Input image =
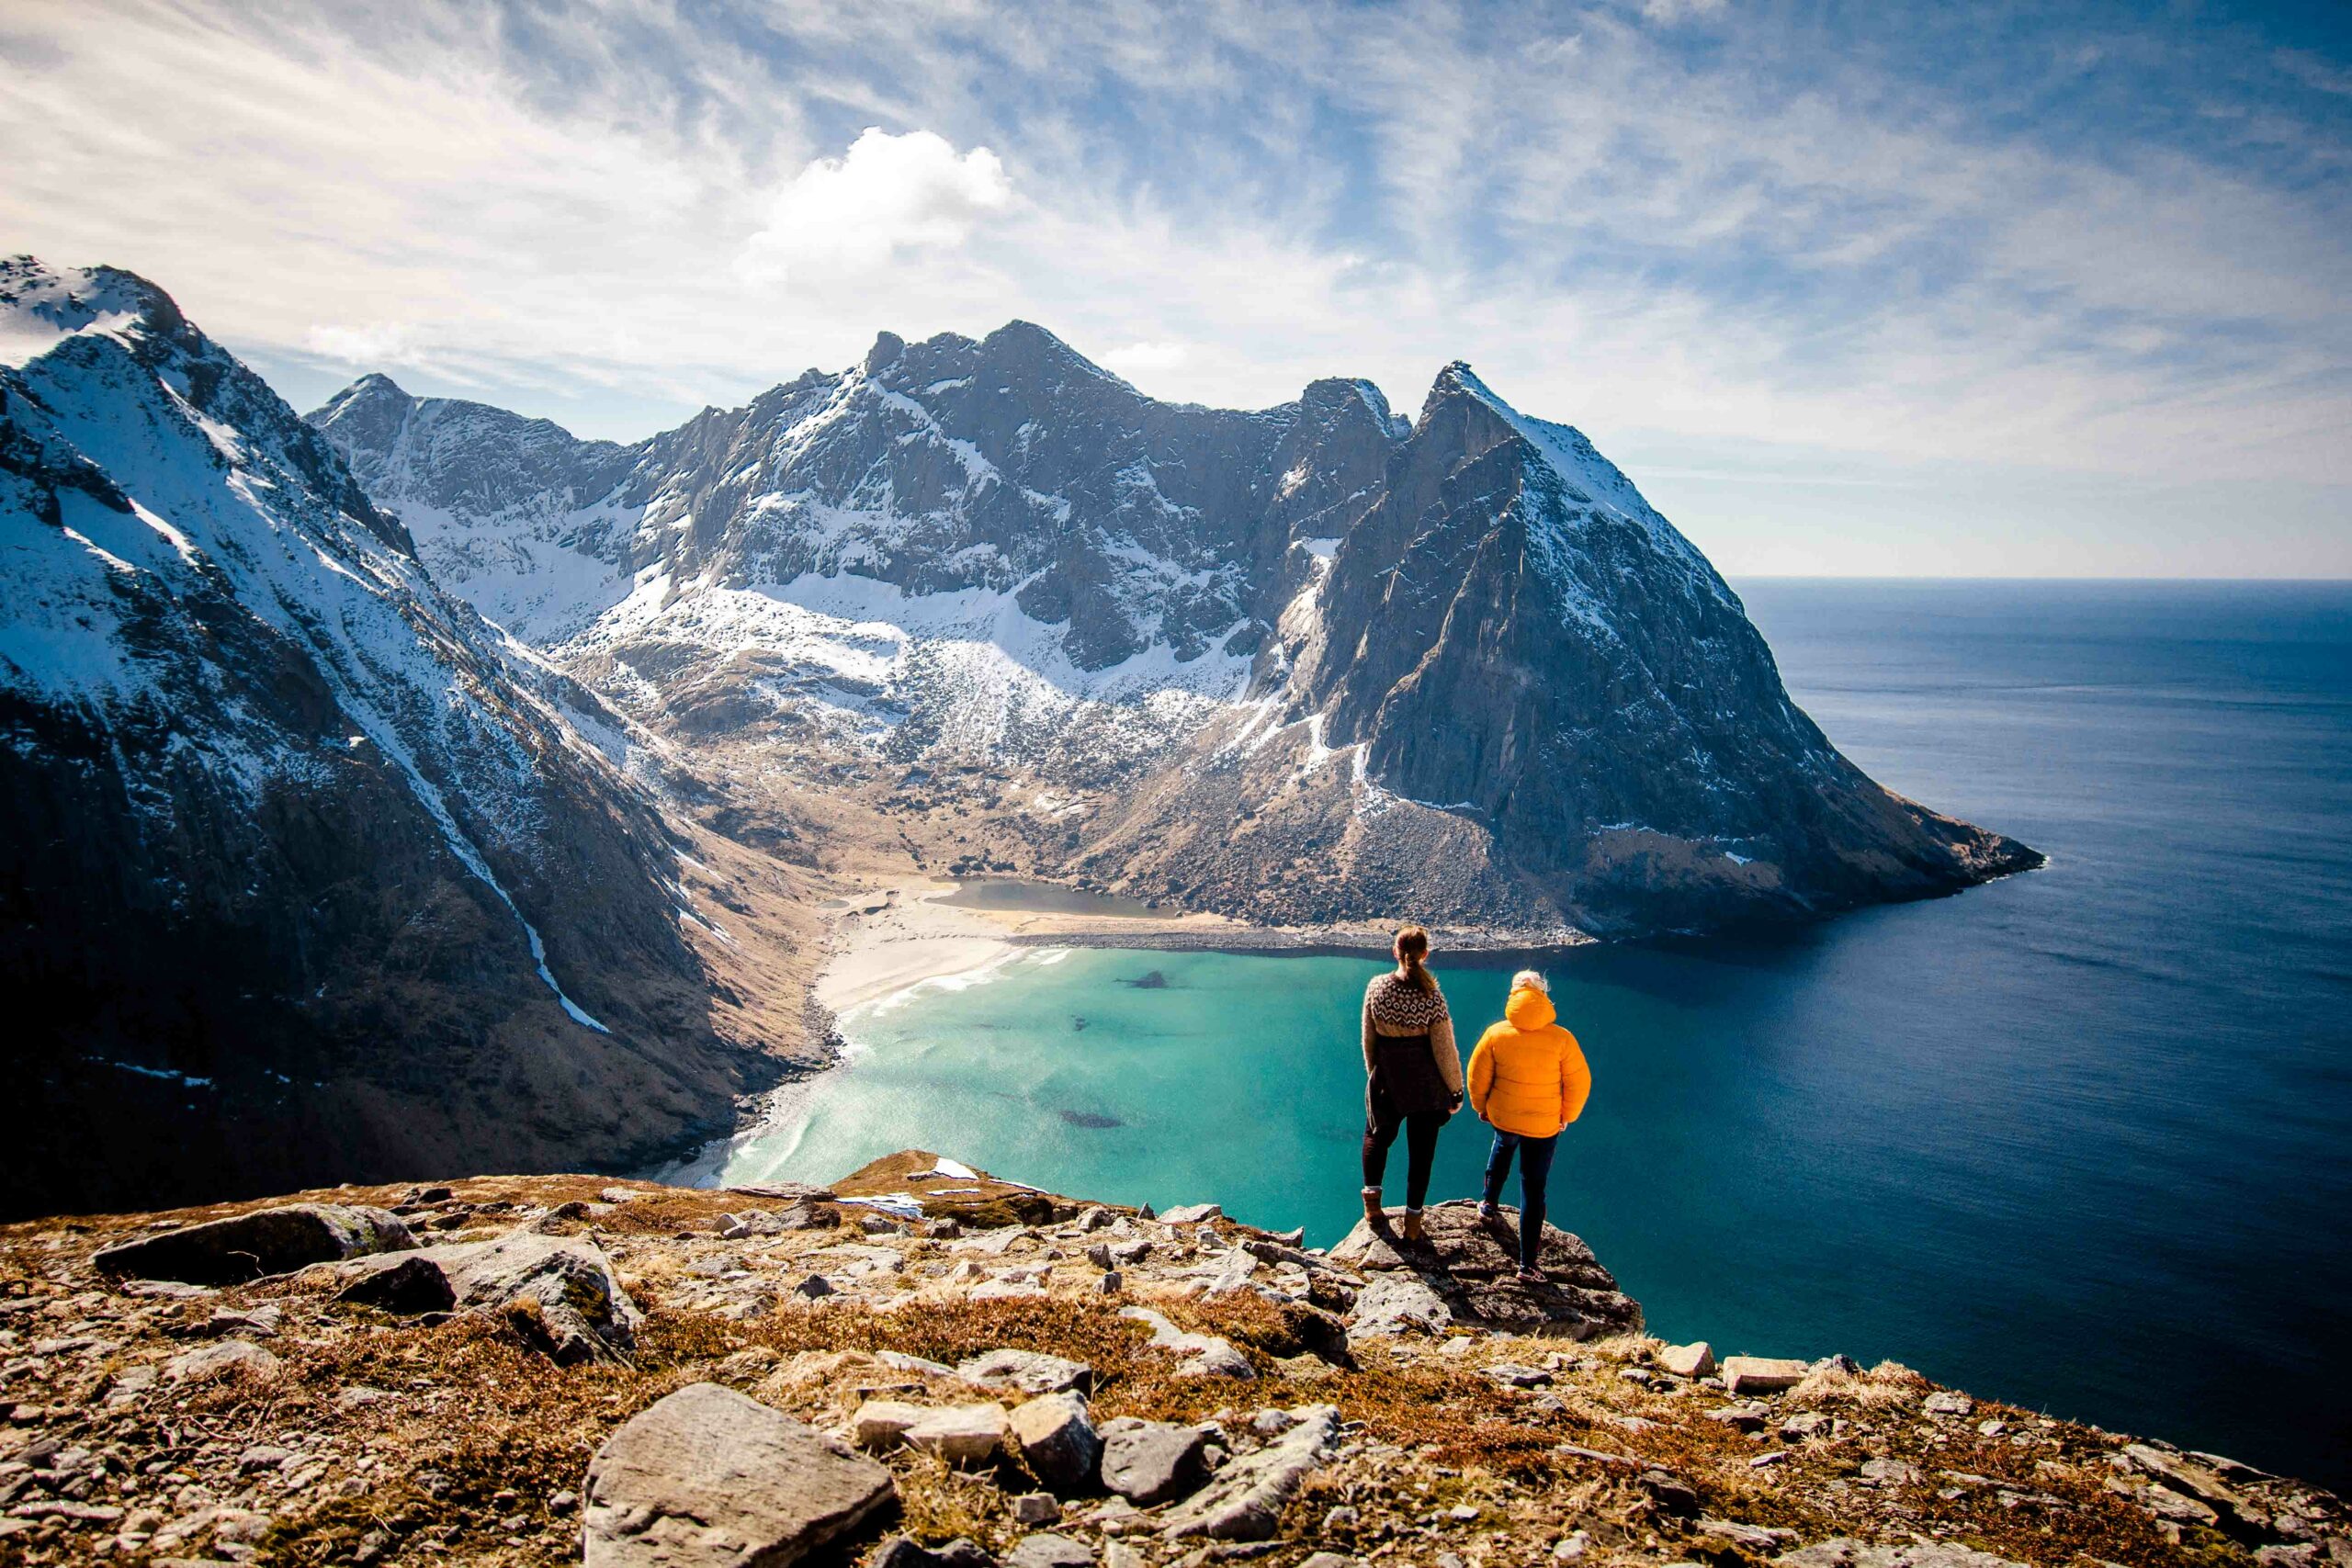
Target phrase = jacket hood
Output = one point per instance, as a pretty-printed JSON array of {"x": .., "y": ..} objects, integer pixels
[{"x": 1529, "y": 1009}]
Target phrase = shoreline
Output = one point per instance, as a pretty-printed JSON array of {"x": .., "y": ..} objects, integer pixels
[{"x": 899, "y": 936}]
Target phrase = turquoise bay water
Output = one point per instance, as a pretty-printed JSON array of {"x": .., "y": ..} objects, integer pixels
[{"x": 2077, "y": 1139}]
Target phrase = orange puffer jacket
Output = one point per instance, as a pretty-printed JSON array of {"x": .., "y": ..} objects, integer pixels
[{"x": 1528, "y": 1076}]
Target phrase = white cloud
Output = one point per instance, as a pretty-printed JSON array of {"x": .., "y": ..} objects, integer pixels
[
  {"x": 588, "y": 220},
  {"x": 1138, "y": 357},
  {"x": 375, "y": 344},
  {"x": 1672, "y": 11},
  {"x": 887, "y": 194}
]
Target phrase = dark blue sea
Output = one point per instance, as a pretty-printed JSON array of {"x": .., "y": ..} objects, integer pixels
[{"x": 2080, "y": 1140}]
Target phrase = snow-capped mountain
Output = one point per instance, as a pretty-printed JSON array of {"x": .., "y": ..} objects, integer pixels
[
  {"x": 989, "y": 542},
  {"x": 1305, "y": 663},
  {"x": 312, "y": 872}
]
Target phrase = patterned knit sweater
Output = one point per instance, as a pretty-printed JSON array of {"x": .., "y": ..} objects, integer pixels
[{"x": 1394, "y": 1006}]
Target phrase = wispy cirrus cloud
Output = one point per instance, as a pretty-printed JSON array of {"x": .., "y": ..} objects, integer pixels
[{"x": 2105, "y": 247}]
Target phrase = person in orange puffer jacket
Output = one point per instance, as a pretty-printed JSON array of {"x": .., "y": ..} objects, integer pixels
[{"x": 1528, "y": 1079}]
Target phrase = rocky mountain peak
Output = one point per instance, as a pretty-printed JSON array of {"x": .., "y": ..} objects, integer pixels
[
  {"x": 307, "y": 838},
  {"x": 41, "y": 305},
  {"x": 1084, "y": 584},
  {"x": 369, "y": 413}
]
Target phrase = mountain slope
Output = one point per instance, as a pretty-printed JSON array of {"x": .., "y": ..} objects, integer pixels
[
  {"x": 1305, "y": 664},
  {"x": 977, "y": 542},
  {"x": 314, "y": 874}
]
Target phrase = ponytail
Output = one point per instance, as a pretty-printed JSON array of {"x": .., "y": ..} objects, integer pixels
[{"x": 1412, "y": 947}]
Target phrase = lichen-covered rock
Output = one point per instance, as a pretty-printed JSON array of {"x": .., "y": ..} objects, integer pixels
[
  {"x": 228, "y": 1357},
  {"x": 407, "y": 1284},
  {"x": 1204, "y": 1355},
  {"x": 1244, "y": 1501},
  {"x": 960, "y": 1434},
  {"x": 1841, "y": 1553},
  {"x": 883, "y": 1423},
  {"x": 1059, "y": 1440},
  {"x": 900, "y": 1553},
  {"x": 1762, "y": 1374},
  {"x": 706, "y": 1476},
  {"x": 1395, "y": 1301},
  {"x": 1693, "y": 1361},
  {"x": 1047, "y": 1550},
  {"x": 560, "y": 1293},
  {"x": 1030, "y": 1371},
  {"x": 1151, "y": 1462},
  {"x": 254, "y": 1246}
]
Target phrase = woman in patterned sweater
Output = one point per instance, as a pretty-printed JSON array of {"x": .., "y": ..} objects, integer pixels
[{"x": 1413, "y": 1076}]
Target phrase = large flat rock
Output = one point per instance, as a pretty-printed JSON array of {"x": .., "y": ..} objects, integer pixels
[
  {"x": 254, "y": 1246},
  {"x": 707, "y": 1478},
  {"x": 1469, "y": 1268},
  {"x": 1842, "y": 1552},
  {"x": 1151, "y": 1462}
]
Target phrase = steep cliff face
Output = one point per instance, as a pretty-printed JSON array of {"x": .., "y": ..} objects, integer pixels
[
  {"x": 502, "y": 508},
  {"x": 1536, "y": 649},
  {"x": 1305, "y": 663},
  {"x": 311, "y": 872}
]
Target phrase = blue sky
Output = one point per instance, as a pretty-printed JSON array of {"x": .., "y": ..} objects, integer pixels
[{"x": 1884, "y": 290}]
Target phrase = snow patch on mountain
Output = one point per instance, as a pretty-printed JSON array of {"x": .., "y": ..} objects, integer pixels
[
  {"x": 189, "y": 554},
  {"x": 1589, "y": 477},
  {"x": 982, "y": 673},
  {"x": 40, "y": 308}
]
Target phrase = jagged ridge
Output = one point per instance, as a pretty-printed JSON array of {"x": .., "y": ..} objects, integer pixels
[{"x": 1545, "y": 710}]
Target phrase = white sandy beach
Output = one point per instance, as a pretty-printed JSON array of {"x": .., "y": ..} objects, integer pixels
[{"x": 899, "y": 935}]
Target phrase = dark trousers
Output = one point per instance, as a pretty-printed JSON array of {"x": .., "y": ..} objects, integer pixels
[
  {"x": 1382, "y": 1120},
  {"x": 1534, "y": 1170}
]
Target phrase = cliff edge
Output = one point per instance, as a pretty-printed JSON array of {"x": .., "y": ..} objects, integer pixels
[{"x": 926, "y": 1366}]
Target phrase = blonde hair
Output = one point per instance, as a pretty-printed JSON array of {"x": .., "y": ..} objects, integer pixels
[
  {"x": 1411, "y": 946},
  {"x": 1531, "y": 980}
]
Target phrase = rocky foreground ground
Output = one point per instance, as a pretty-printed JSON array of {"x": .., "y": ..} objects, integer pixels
[{"x": 927, "y": 1368}]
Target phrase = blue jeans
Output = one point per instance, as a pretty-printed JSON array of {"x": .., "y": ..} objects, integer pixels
[{"x": 1534, "y": 1170}]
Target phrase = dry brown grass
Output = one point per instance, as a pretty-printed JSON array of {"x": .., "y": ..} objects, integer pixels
[{"x": 472, "y": 1413}]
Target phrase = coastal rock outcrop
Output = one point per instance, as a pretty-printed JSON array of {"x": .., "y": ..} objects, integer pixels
[
  {"x": 1152, "y": 1462},
  {"x": 390, "y": 1442},
  {"x": 560, "y": 1292},
  {"x": 1058, "y": 1442},
  {"x": 1245, "y": 1500},
  {"x": 1466, "y": 1273}
]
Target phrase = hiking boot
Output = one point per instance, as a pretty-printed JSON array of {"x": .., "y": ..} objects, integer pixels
[
  {"x": 1413, "y": 1230},
  {"x": 1372, "y": 1212}
]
